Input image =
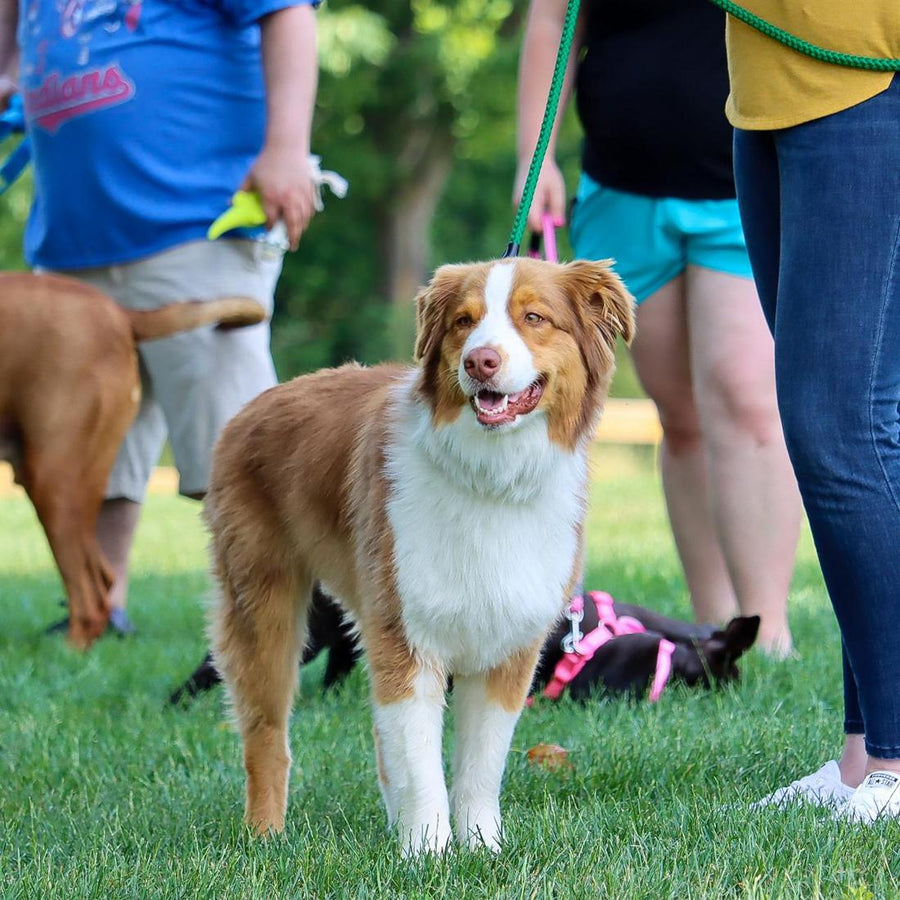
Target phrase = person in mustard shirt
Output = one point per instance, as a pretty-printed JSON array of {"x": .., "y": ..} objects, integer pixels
[
  {"x": 657, "y": 194},
  {"x": 817, "y": 165}
]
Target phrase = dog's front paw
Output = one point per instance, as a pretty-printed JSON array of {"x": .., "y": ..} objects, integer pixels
[
  {"x": 479, "y": 828},
  {"x": 264, "y": 825},
  {"x": 264, "y": 815},
  {"x": 421, "y": 838}
]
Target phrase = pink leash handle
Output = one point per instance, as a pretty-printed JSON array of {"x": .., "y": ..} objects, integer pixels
[
  {"x": 550, "y": 252},
  {"x": 548, "y": 235}
]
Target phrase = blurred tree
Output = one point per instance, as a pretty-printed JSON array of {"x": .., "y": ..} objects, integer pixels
[
  {"x": 403, "y": 86},
  {"x": 416, "y": 108},
  {"x": 14, "y": 205}
]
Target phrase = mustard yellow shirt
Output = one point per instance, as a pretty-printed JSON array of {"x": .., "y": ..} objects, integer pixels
[{"x": 773, "y": 86}]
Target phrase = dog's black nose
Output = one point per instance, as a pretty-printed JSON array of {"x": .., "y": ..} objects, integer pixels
[{"x": 482, "y": 363}]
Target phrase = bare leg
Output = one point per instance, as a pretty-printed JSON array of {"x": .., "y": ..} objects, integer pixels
[
  {"x": 873, "y": 764},
  {"x": 755, "y": 501},
  {"x": 661, "y": 357},
  {"x": 854, "y": 763},
  {"x": 116, "y": 526}
]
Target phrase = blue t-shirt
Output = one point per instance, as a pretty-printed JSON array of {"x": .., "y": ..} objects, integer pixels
[{"x": 144, "y": 117}]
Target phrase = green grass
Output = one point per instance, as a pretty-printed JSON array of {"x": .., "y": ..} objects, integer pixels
[{"x": 105, "y": 793}]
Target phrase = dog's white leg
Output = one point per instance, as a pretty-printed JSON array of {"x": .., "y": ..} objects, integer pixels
[
  {"x": 410, "y": 768},
  {"x": 487, "y": 707},
  {"x": 484, "y": 731},
  {"x": 384, "y": 784}
]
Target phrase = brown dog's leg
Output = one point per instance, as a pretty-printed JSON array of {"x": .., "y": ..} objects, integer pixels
[
  {"x": 70, "y": 529},
  {"x": 487, "y": 707},
  {"x": 69, "y": 446},
  {"x": 88, "y": 579},
  {"x": 257, "y": 639}
]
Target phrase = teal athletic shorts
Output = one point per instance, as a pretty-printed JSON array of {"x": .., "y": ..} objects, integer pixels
[{"x": 654, "y": 239}]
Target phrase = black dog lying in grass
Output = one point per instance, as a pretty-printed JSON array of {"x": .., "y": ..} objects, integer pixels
[
  {"x": 327, "y": 631},
  {"x": 702, "y": 655}
]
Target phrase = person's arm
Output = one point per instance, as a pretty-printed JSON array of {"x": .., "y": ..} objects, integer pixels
[
  {"x": 280, "y": 174},
  {"x": 540, "y": 46},
  {"x": 9, "y": 50}
]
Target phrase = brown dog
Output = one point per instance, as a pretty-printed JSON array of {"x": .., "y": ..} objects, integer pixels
[
  {"x": 69, "y": 390},
  {"x": 443, "y": 506}
]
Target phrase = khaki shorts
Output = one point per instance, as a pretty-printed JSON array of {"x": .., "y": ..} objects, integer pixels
[{"x": 193, "y": 382}]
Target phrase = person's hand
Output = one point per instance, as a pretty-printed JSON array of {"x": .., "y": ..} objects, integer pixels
[
  {"x": 7, "y": 88},
  {"x": 549, "y": 194},
  {"x": 282, "y": 178}
]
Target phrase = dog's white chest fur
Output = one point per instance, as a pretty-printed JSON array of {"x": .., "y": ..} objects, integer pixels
[{"x": 485, "y": 529}]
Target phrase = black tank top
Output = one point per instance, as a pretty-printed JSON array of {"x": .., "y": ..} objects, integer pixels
[{"x": 650, "y": 93}]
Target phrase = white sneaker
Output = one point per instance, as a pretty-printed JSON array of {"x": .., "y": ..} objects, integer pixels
[
  {"x": 878, "y": 797},
  {"x": 822, "y": 788}
]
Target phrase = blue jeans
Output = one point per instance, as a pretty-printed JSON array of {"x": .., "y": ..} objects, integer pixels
[{"x": 820, "y": 204}]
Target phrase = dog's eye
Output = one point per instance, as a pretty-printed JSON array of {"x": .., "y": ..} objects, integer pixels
[
  {"x": 463, "y": 321},
  {"x": 533, "y": 318}
]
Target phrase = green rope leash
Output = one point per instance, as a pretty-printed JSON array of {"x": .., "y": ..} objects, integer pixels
[
  {"x": 537, "y": 160},
  {"x": 790, "y": 40},
  {"x": 834, "y": 57}
]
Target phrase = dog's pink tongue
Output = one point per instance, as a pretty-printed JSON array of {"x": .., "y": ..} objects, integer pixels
[{"x": 490, "y": 400}]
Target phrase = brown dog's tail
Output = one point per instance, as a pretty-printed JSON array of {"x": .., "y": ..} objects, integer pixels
[{"x": 227, "y": 312}]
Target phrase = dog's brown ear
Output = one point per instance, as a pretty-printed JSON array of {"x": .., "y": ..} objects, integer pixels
[
  {"x": 427, "y": 323},
  {"x": 431, "y": 305},
  {"x": 611, "y": 305}
]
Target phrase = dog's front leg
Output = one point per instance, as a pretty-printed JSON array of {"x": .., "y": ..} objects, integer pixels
[
  {"x": 408, "y": 731},
  {"x": 487, "y": 707}
]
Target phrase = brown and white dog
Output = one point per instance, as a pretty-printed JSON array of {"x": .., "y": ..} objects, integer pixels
[{"x": 443, "y": 506}]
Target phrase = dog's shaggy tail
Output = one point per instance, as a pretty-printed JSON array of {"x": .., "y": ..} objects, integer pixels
[{"x": 226, "y": 312}]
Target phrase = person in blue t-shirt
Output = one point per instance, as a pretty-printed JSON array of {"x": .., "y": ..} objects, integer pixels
[{"x": 144, "y": 118}]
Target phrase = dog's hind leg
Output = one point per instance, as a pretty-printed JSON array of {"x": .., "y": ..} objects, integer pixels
[
  {"x": 486, "y": 708},
  {"x": 70, "y": 525},
  {"x": 67, "y": 453},
  {"x": 258, "y": 635}
]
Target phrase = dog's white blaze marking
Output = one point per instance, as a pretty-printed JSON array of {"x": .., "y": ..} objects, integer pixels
[
  {"x": 498, "y": 286},
  {"x": 485, "y": 533},
  {"x": 497, "y": 330},
  {"x": 409, "y": 738},
  {"x": 484, "y": 732}
]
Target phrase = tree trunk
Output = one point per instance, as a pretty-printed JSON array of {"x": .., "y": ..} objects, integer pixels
[{"x": 406, "y": 237}]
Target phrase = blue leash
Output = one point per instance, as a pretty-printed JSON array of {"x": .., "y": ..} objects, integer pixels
[{"x": 12, "y": 121}]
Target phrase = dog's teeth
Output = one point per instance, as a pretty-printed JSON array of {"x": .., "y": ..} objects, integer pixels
[{"x": 497, "y": 410}]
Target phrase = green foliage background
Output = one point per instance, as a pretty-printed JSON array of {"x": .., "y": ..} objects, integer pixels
[{"x": 403, "y": 85}]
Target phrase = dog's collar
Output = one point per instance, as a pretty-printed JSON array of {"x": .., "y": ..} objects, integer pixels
[{"x": 609, "y": 626}]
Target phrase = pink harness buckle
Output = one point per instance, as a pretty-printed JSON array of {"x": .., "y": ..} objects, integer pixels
[{"x": 609, "y": 626}]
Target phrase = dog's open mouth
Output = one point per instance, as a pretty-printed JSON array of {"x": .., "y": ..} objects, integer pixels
[{"x": 492, "y": 408}]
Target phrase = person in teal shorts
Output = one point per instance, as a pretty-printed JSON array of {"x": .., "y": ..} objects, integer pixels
[{"x": 657, "y": 195}]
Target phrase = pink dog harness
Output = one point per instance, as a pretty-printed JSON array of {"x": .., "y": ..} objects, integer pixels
[{"x": 580, "y": 649}]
